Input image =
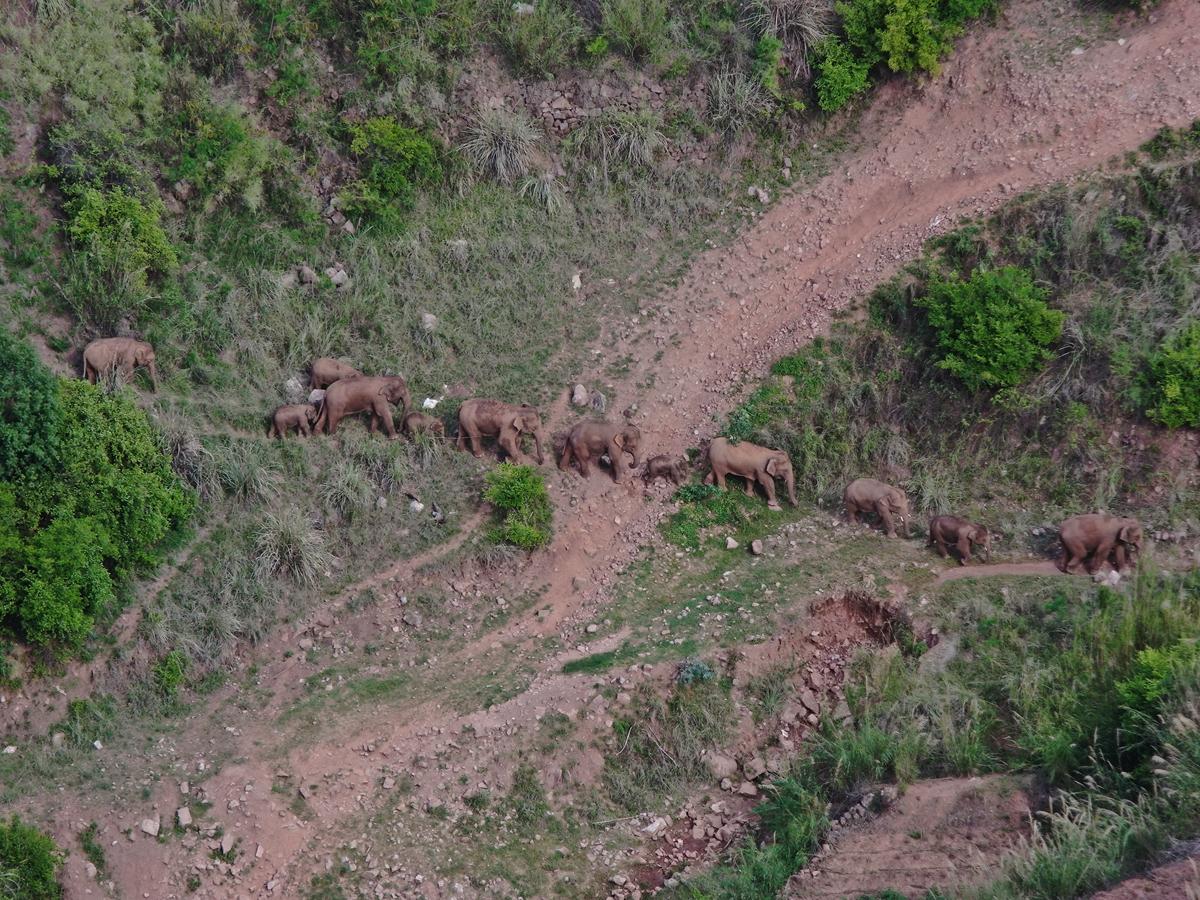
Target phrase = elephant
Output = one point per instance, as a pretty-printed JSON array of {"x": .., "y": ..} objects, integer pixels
[
  {"x": 960, "y": 533},
  {"x": 506, "y": 422},
  {"x": 418, "y": 423},
  {"x": 325, "y": 371},
  {"x": 670, "y": 467},
  {"x": 591, "y": 440},
  {"x": 752, "y": 463},
  {"x": 121, "y": 354},
  {"x": 865, "y": 495},
  {"x": 1099, "y": 535},
  {"x": 299, "y": 416},
  {"x": 371, "y": 394}
]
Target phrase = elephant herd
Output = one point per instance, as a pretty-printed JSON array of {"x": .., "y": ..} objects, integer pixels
[{"x": 1087, "y": 540}]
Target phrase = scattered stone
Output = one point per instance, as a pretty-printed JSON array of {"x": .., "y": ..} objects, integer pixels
[
  {"x": 657, "y": 827},
  {"x": 576, "y": 282},
  {"x": 227, "y": 842},
  {"x": 416, "y": 506},
  {"x": 579, "y": 583},
  {"x": 413, "y": 618},
  {"x": 90, "y": 868},
  {"x": 592, "y": 628},
  {"x": 429, "y": 321},
  {"x": 730, "y": 544},
  {"x": 522, "y": 9},
  {"x": 754, "y": 768},
  {"x": 747, "y": 789},
  {"x": 756, "y": 547},
  {"x": 182, "y": 191},
  {"x": 57, "y": 740},
  {"x": 579, "y": 395},
  {"x": 307, "y": 275},
  {"x": 619, "y": 880},
  {"x": 598, "y": 402},
  {"x": 150, "y": 826},
  {"x": 183, "y": 816},
  {"x": 841, "y": 712},
  {"x": 720, "y": 765}
]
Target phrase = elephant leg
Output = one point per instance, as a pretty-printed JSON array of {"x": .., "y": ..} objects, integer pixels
[
  {"x": 1073, "y": 556},
  {"x": 964, "y": 550},
  {"x": 476, "y": 442},
  {"x": 582, "y": 458},
  {"x": 852, "y": 513},
  {"x": 1100, "y": 556},
  {"x": 1120, "y": 557},
  {"x": 719, "y": 475},
  {"x": 885, "y": 518},
  {"x": 90, "y": 372},
  {"x": 748, "y": 485},
  {"x": 384, "y": 414},
  {"x": 710, "y": 477},
  {"x": 564, "y": 460},
  {"x": 940, "y": 544},
  {"x": 768, "y": 486}
]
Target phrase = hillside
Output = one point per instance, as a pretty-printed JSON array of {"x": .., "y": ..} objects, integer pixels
[{"x": 334, "y": 655}]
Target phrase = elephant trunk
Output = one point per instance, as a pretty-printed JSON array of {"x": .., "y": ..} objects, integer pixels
[
  {"x": 537, "y": 446},
  {"x": 153, "y": 375},
  {"x": 789, "y": 480}
]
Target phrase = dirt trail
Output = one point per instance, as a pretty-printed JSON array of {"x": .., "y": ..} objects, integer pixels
[
  {"x": 998, "y": 120},
  {"x": 991, "y": 570}
]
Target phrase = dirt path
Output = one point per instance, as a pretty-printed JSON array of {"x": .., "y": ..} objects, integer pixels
[
  {"x": 999, "y": 120},
  {"x": 1042, "y": 567}
]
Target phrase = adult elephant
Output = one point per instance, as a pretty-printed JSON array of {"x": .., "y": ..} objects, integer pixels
[
  {"x": 591, "y": 440},
  {"x": 374, "y": 395},
  {"x": 325, "y": 371},
  {"x": 960, "y": 533},
  {"x": 754, "y": 464},
  {"x": 119, "y": 354},
  {"x": 506, "y": 422},
  {"x": 866, "y": 495},
  {"x": 1099, "y": 536}
]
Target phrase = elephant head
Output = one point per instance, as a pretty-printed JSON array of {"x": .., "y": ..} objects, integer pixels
[
  {"x": 396, "y": 391},
  {"x": 527, "y": 421},
  {"x": 629, "y": 439},
  {"x": 780, "y": 466},
  {"x": 1130, "y": 534},
  {"x": 899, "y": 502},
  {"x": 312, "y": 413},
  {"x": 143, "y": 355},
  {"x": 981, "y": 537}
]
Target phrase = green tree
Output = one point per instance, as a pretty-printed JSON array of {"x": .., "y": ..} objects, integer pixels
[
  {"x": 1174, "y": 378},
  {"x": 840, "y": 75},
  {"x": 993, "y": 328},
  {"x": 29, "y": 411}
]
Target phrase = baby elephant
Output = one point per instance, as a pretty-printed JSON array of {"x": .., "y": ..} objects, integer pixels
[
  {"x": 866, "y": 495},
  {"x": 299, "y": 416},
  {"x": 673, "y": 468},
  {"x": 960, "y": 533},
  {"x": 418, "y": 423},
  {"x": 1098, "y": 537}
]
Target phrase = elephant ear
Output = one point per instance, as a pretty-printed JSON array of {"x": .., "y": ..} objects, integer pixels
[
  {"x": 517, "y": 424},
  {"x": 773, "y": 467},
  {"x": 1124, "y": 533},
  {"x": 619, "y": 439}
]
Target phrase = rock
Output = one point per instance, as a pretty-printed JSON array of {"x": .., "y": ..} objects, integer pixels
[
  {"x": 348, "y": 227},
  {"x": 576, "y": 282},
  {"x": 579, "y": 395},
  {"x": 522, "y": 9},
  {"x": 747, "y": 789},
  {"x": 592, "y": 628},
  {"x": 182, "y": 191},
  {"x": 305, "y": 644},
  {"x": 57, "y": 740},
  {"x": 598, "y": 402},
  {"x": 726, "y": 784},
  {"x": 656, "y": 828},
  {"x": 841, "y": 712},
  {"x": 429, "y": 321},
  {"x": 183, "y": 816},
  {"x": 416, "y": 506},
  {"x": 730, "y": 544},
  {"x": 150, "y": 826},
  {"x": 293, "y": 390},
  {"x": 307, "y": 275},
  {"x": 810, "y": 702},
  {"x": 381, "y": 502},
  {"x": 756, "y": 547},
  {"x": 316, "y": 395},
  {"x": 754, "y": 768},
  {"x": 719, "y": 765},
  {"x": 579, "y": 583},
  {"x": 338, "y": 276},
  {"x": 90, "y": 868},
  {"x": 618, "y": 880},
  {"x": 96, "y": 744},
  {"x": 412, "y": 618},
  {"x": 227, "y": 843}
]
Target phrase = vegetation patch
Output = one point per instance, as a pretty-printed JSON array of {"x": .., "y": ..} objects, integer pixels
[
  {"x": 29, "y": 862},
  {"x": 519, "y": 494}
]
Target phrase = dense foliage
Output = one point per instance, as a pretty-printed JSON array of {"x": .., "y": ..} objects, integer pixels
[
  {"x": 992, "y": 328},
  {"x": 1174, "y": 396},
  {"x": 71, "y": 531},
  {"x": 29, "y": 863},
  {"x": 29, "y": 411},
  {"x": 519, "y": 492}
]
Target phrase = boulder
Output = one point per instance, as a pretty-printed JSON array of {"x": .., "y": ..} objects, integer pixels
[
  {"x": 183, "y": 816},
  {"x": 307, "y": 274},
  {"x": 719, "y": 765},
  {"x": 747, "y": 789},
  {"x": 579, "y": 395},
  {"x": 756, "y": 547},
  {"x": 150, "y": 826},
  {"x": 429, "y": 322},
  {"x": 730, "y": 544},
  {"x": 754, "y": 768}
]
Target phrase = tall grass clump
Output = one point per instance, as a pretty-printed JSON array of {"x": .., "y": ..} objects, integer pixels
[
  {"x": 246, "y": 472},
  {"x": 288, "y": 544},
  {"x": 737, "y": 102},
  {"x": 619, "y": 140},
  {"x": 500, "y": 144},
  {"x": 29, "y": 863},
  {"x": 638, "y": 29},
  {"x": 519, "y": 495},
  {"x": 347, "y": 489},
  {"x": 543, "y": 41}
]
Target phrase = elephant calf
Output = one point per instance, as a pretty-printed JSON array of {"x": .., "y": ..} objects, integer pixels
[
  {"x": 866, "y": 495},
  {"x": 960, "y": 533},
  {"x": 1099, "y": 536},
  {"x": 118, "y": 354},
  {"x": 418, "y": 423},
  {"x": 325, "y": 371},
  {"x": 670, "y": 467},
  {"x": 298, "y": 416},
  {"x": 753, "y": 463}
]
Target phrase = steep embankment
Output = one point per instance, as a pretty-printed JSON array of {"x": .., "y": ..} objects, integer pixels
[{"x": 1015, "y": 108}]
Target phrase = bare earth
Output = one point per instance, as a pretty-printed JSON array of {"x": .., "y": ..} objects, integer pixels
[{"x": 1012, "y": 110}]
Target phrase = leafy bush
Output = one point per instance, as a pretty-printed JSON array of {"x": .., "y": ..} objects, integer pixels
[
  {"x": 121, "y": 236},
  {"x": 169, "y": 674},
  {"x": 519, "y": 492},
  {"x": 841, "y": 76},
  {"x": 692, "y": 671},
  {"x": 1174, "y": 380},
  {"x": 544, "y": 41},
  {"x": 96, "y": 515},
  {"x": 395, "y": 163},
  {"x": 29, "y": 863},
  {"x": 993, "y": 328},
  {"x": 31, "y": 414},
  {"x": 501, "y": 144},
  {"x": 636, "y": 28},
  {"x": 799, "y": 25}
]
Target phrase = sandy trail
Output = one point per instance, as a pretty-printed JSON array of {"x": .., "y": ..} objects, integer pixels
[{"x": 999, "y": 120}]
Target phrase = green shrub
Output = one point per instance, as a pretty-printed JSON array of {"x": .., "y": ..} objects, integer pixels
[
  {"x": 840, "y": 75},
  {"x": 213, "y": 36},
  {"x": 31, "y": 414},
  {"x": 636, "y": 28},
  {"x": 1173, "y": 395},
  {"x": 395, "y": 162},
  {"x": 992, "y": 329},
  {"x": 544, "y": 41},
  {"x": 702, "y": 506},
  {"x": 29, "y": 863},
  {"x": 906, "y": 34},
  {"x": 169, "y": 674},
  {"x": 287, "y": 543},
  {"x": 526, "y": 798},
  {"x": 519, "y": 492},
  {"x": 121, "y": 234}
]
